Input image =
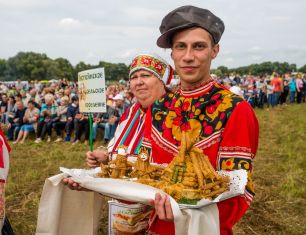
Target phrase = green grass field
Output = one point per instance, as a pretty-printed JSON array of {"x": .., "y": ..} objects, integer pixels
[{"x": 279, "y": 206}]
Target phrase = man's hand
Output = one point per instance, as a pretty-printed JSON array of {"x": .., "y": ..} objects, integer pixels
[
  {"x": 112, "y": 120},
  {"x": 95, "y": 158},
  {"x": 162, "y": 207}
]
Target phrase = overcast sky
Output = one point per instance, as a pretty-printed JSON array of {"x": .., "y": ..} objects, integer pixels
[{"x": 116, "y": 30}]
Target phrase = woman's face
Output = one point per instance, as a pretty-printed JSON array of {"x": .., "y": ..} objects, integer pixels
[
  {"x": 48, "y": 101},
  {"x": 30, "y": 106},
  {"x": 146, "y": 87},
  {"x": 11, "y": 100}
]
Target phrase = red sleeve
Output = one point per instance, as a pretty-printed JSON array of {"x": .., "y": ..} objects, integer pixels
[{"x": 237, "y": 150}]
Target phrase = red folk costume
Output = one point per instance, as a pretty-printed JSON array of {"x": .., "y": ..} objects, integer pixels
[
  {"x": 228, "y": 131},
  {"x": 4, "y": 167}
]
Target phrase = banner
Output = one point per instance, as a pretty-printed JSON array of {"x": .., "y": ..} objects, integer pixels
[{"x": 92, "y": 91}]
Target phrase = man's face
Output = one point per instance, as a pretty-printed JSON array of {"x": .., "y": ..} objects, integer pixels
[
  {"x": 192, "y": 53},
  {"x": 146, "y": 87},
  {"x": 19, "y": 105},
  {"x": 119, "y": 103}
]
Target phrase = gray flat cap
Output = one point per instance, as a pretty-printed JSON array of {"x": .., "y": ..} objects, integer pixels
[{"x": 187, "y": 17}]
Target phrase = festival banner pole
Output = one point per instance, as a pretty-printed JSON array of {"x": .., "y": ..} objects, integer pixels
[
  {"x": 90, "y": 132},
  {"x": 91, "y": 86}
]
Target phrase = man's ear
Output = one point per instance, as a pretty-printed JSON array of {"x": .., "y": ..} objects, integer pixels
[
  {"x": 171, "y": 55},
  {"x": 215, "y": 51}
]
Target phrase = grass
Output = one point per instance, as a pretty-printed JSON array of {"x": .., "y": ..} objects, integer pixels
[{"x": 279, "y": 176}]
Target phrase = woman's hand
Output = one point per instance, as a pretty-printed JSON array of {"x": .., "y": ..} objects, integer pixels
[
  {"x": 95, "y": 158},
  {"x": 73, "y": 185},
  {"x": 162, "y": 207}
]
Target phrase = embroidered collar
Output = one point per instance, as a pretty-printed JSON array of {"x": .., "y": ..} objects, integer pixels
[{"x": 198, "y": 89}]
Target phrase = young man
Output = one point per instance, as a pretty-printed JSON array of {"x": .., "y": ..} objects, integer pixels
[{"x": 223, "y": 122}]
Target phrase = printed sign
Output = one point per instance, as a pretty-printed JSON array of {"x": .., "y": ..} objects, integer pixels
[{"x": 92, "y": 91}]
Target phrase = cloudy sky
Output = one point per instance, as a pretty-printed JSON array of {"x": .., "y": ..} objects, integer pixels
[{"x": 116, "y": 30}]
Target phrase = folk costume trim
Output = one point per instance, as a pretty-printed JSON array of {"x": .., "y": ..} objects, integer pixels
[
  {"x": 249, "y": 196},
  {"x": 207, "y": 142},
  {"x": 199, "y": 90},
  {"x": 130, "y": 131},
  {"x": 163, "y": 143},
  {"x": 224, "y": 150}
]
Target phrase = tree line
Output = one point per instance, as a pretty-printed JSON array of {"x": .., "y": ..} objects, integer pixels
[
  {"x": 37, "y": 66},
  {"x": 265, "y": 68}
]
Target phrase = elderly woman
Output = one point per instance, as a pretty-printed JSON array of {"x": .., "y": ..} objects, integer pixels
[
  {"x": 47, "y": 113},
  {"x": 149, "y": 75}
]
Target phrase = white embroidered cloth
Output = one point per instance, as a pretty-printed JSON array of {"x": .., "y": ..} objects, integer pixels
[{"x": 202, "y": 218}]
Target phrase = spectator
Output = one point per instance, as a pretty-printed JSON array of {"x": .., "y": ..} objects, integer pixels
[
  {"x": 284, "y": 94},
  {"x": 16, "y": 122},
  {"x": 261, "y": 91},
  {"x": 278, "y": 88},
  {"x": 61, "y": 120},
  {"x": 25, "y": 97},
  {"x": 107, "y": 121},
  {"x": 11, "y": 109},
  {"x": 270, "y": 89},
  {"x": 3, "y": 108},
  {"x": 19, "y": 86},
  {"x": 120, "y": 104},
  {"x": 304, "y": 89},
  {"x": 299, "y": 89},
  {"x": 71, "y": 112},
  {"x": 81, "y": 125},
  {"x": 30, "y": 120},
  {"x": 292, "y": 89},
  {"x": 47, "y": 113}
]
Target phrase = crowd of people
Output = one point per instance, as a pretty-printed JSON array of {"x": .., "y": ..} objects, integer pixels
[
  {"x": 51, "y": 112},
  {"x": 53, "y": 107},
  {"x": 270, "y": 90}
]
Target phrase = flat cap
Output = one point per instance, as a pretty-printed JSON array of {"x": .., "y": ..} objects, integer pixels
[{"x": 187, "y": 17}]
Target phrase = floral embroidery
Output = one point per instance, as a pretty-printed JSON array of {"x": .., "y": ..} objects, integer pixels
[{"x": 201, "y": 116}]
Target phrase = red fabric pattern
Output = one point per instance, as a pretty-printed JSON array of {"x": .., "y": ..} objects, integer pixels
[{"x": 240, "y": 131}]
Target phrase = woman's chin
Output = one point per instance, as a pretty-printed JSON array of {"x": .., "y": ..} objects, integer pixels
[{"x": 144, "y": 102}]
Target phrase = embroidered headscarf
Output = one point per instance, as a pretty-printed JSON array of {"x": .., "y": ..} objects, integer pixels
[{"x": 152, "y": 63}]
